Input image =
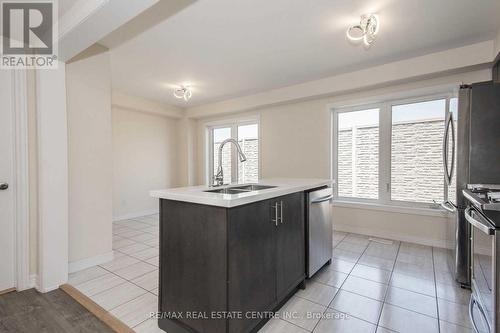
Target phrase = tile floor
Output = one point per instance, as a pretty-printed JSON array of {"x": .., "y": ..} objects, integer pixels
[
  {"x": 369, "y": 287},
  {"x": 127, "y": 286}
]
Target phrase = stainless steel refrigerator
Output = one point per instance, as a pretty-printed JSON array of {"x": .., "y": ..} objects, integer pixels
[{"x": 472, "y": 150}]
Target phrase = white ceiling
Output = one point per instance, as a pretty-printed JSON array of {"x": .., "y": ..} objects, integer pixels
[
  {"x": 64, "y": 5},
  {"x": 228, "y": 48}
]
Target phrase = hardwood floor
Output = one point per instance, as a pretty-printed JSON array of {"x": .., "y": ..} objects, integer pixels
[{"x": 30, "y": 311}]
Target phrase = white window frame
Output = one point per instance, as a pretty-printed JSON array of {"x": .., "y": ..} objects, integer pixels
[
  {"x": 335, "y": 117},
  {"x": 385, "y": 147},
  {"x": 233, "y": 124}
]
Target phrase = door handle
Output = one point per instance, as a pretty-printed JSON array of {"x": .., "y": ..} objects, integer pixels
[
  {"x": 446, "y": 205},
  {"x": 4, "y": 186},
  {"x": 281, "y": 211},
  {"x": 453, "y": 143},
  {"x": 448, "y": 125},
  {"x": 471, "y": 314},
  {"x": 275, "y": 220},
  {"x": 323, "y": 199},
  {"x": 472, "y": 301},
  {"x": 478, "y": 222},
  {"x": 445, "y": 150}
]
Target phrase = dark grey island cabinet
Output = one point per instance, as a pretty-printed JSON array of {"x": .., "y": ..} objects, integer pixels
[{"x": 222, "y": 270}]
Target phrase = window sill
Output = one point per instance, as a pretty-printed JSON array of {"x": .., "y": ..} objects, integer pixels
[{"x": 391, "y": 208}]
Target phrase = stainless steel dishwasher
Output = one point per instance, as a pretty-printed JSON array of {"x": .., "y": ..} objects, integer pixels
[{"x": 319, "y": 229}]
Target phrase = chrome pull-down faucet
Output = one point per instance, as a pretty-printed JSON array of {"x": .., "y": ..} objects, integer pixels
[{"x": 219, "y": 177}]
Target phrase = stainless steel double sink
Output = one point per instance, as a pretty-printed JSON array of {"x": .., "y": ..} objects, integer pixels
[{"x": 240, "y": 189}]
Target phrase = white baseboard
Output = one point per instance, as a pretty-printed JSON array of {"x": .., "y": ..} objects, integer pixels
[
  {"x": 135, "y": 215},
  {"x": 47, "y": 290},
  {"x": 33, "y": 282},
  {"x": 79, "y": 265},
  {"x": 393, "y": 235}
]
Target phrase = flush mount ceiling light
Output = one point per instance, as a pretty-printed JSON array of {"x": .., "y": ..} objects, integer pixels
[
  {"x": 184, "y": 92},
  {"x": 366, "y": 30}
]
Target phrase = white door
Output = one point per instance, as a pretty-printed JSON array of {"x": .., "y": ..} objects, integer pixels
[{"x": 6, "y": 179}]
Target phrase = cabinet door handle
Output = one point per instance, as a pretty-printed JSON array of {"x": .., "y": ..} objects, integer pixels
[
  {"x": 275, "y": 220},
  {"x": 281, "y": 211}
]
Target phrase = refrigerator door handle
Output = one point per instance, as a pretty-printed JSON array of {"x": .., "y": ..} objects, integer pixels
[
  {"x": 446, "y": 205},
  {"x": 445, "y": 149},
  {"x": 453, "y": 144},
  {"x": 447, "y": 171}
]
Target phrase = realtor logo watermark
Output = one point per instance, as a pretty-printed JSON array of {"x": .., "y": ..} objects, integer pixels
[{"x": 29, "y": 34}]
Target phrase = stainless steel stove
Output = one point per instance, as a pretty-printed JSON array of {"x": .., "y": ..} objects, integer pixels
[
  {"x": 483, "y": 214},
  {"x": 485, "y": 197}
]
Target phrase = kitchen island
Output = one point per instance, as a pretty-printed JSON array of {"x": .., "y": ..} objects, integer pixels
[{"x": 230, "y": 255}]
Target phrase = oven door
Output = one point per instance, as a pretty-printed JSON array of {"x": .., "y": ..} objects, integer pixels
[{"x": 483, "y": 244}]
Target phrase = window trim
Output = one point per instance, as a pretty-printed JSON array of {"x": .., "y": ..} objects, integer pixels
[
  {"x": 390, "y": 208},
  {"x": 335, "y": 116},
  {"x": 385, "y": 105},
  {"x": 232, "y": 123}
]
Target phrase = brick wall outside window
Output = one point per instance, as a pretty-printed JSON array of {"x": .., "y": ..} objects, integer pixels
[{"x": 416, "y": 162}]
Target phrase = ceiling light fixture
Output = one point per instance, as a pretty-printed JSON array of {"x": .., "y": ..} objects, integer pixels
[
  {"x": 183, "y": 92},
  {"x": 366, "y": 30}
]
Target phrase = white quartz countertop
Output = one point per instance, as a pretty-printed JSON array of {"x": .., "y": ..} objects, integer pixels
[{"x": 197, "y": 194}]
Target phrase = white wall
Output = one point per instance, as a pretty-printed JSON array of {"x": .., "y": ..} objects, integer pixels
[
  {"x": 52, "y": 151},
  {"x": 88, "y": 83},
  {"x": 186, "y": 136},
  {"x": 144, "y": 159},
  {"x": 420, "y": 229},
  {"x": 140, "y": 104},
  {"x": 497, "y": 44},
  {"x": 295, "y": 136},
  {"x": 296, "y": 143},
  {"x": 408, "y": 70},
  {"x": 294, "y": 140},
  {"x": 33, "y": 171}
]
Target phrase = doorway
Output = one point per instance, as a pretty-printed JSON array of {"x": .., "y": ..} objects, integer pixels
[{"x": 7, "y": 217}]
